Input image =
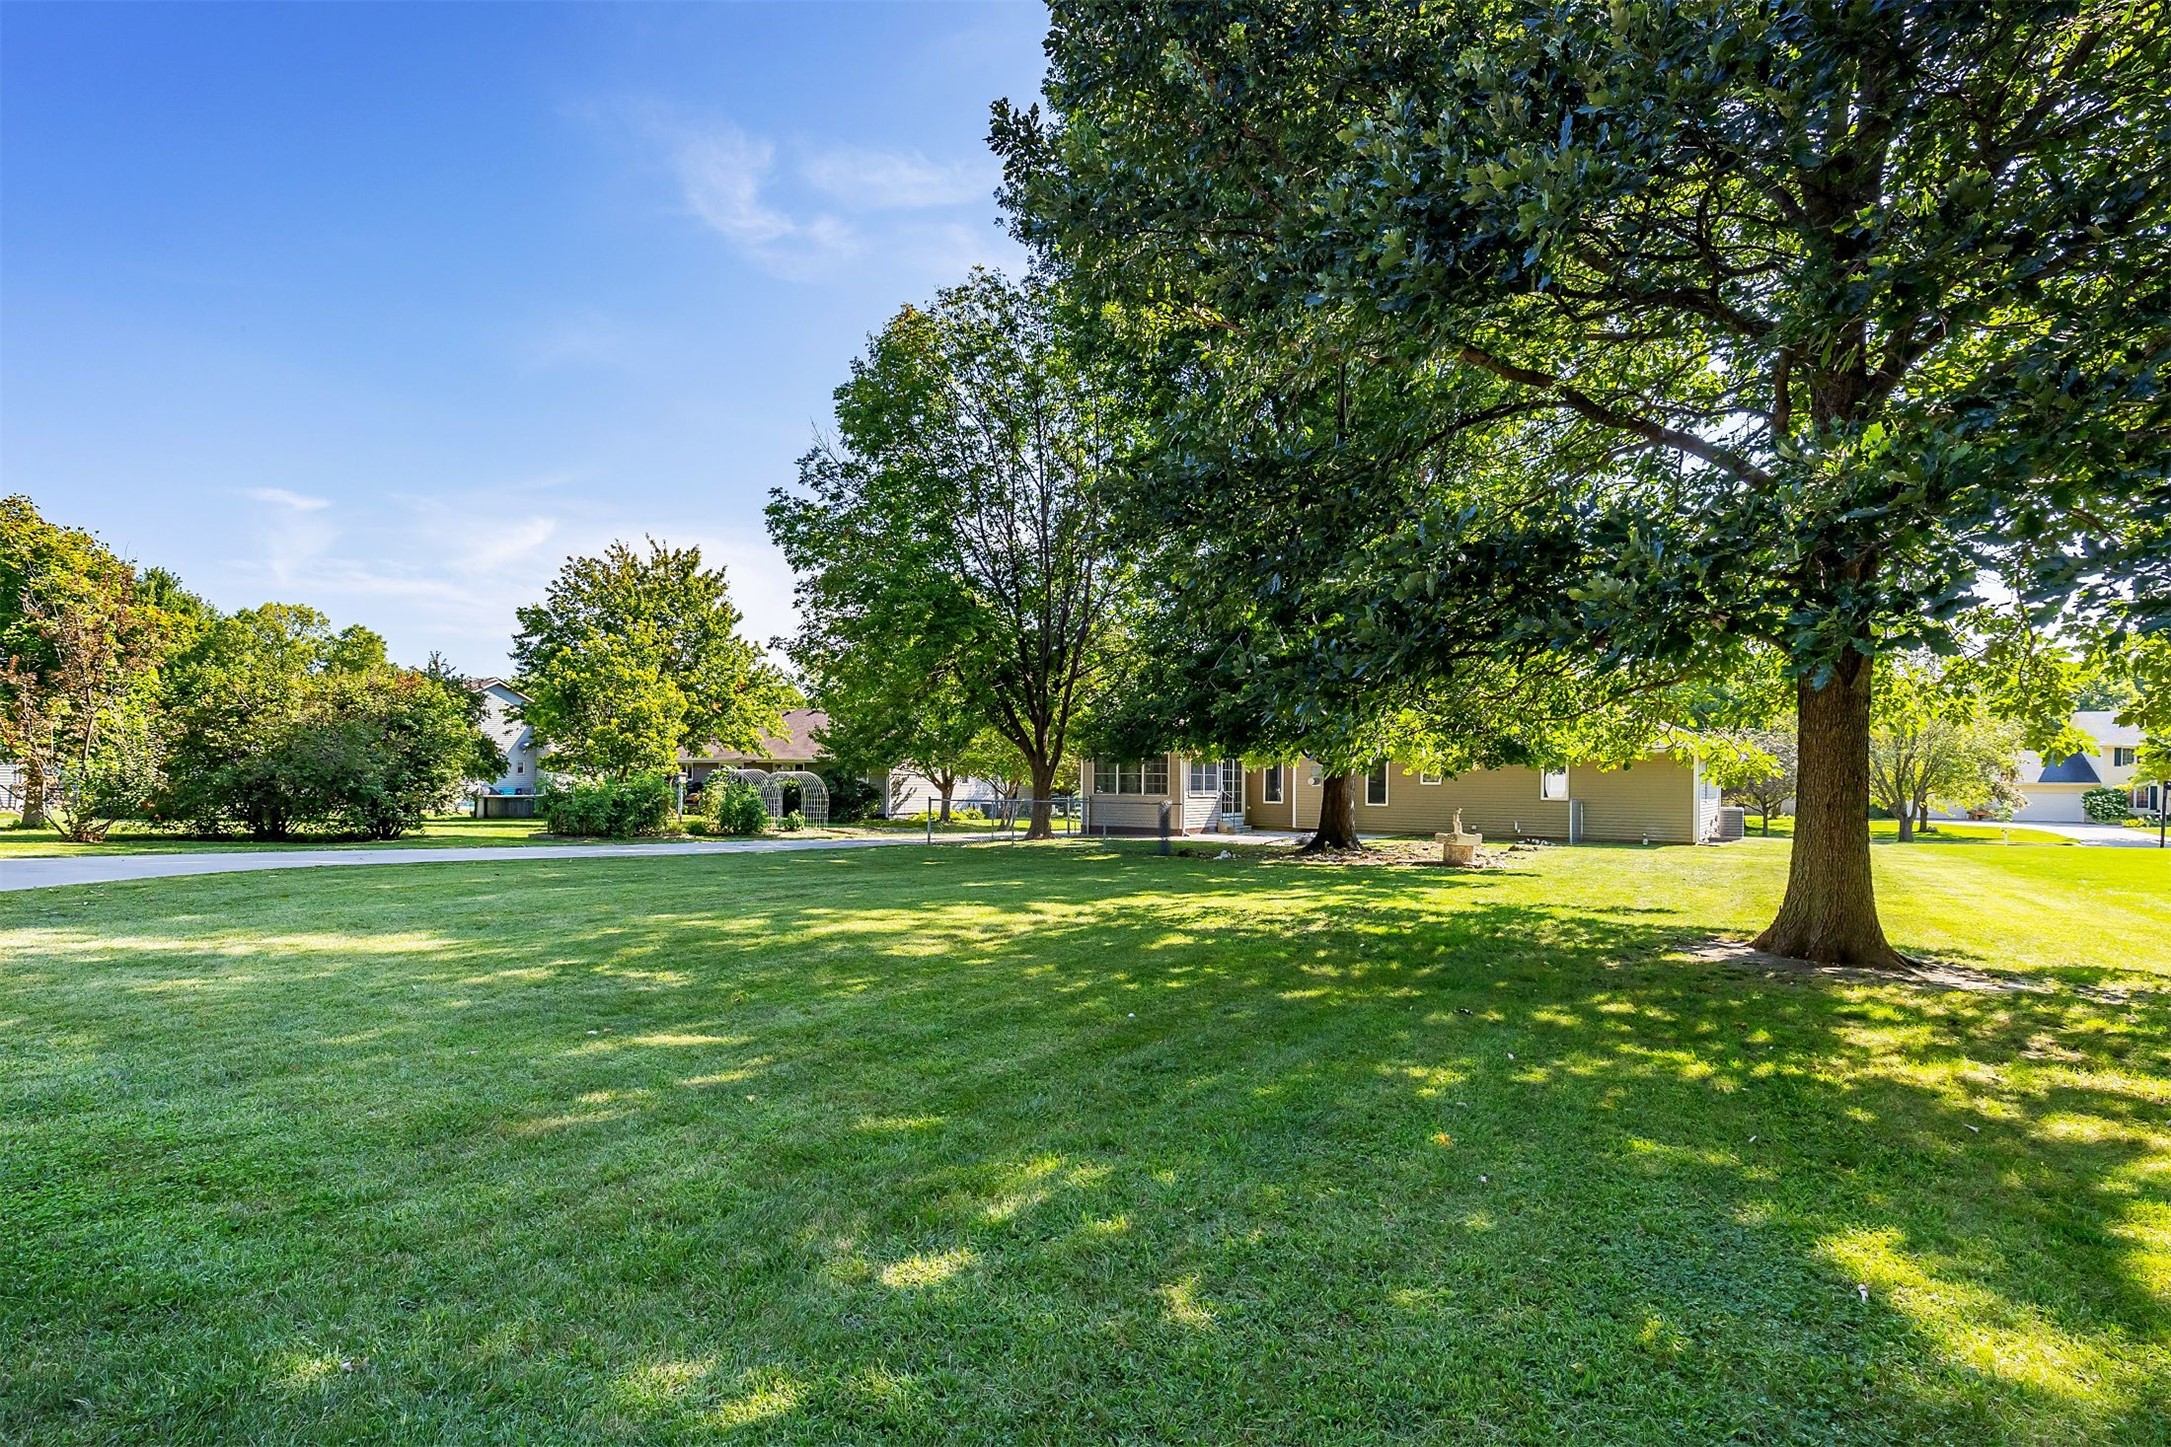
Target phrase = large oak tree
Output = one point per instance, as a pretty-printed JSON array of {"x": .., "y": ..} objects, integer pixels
[{"x": 1854, "y": 305}]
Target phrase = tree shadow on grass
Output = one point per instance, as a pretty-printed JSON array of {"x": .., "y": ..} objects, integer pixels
[{"x": 1073, "y": 1146}]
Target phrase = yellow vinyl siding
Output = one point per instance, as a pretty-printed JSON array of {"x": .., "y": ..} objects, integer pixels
[
  {"x": 1262, "y": 814},
  {"x": 1496, "y": 802},
  {"x": 1655, "y": 797}
]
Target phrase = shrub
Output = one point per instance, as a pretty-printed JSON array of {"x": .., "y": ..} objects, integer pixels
[
  {"x": 851, "y": 797},
  {"x": 2105, "y": 806},
  {"x": 734, "y": 807},
  {"x": 792, "y": 821},
  {"x": 608, "y": 808},
  {"x": 696, "y": 825}
]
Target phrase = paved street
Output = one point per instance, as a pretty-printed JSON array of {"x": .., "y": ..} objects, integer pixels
[{"x": 107, "y": 868}]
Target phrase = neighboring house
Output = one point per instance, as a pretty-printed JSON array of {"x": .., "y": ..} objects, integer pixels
[
  {"x": 1663, "y": 798},
  {"x": 795, "y": 748},
  {"x": 799, "y": 747},
  {"x": 2053, "y": 787},
  {"x": 499, "y": 699}
]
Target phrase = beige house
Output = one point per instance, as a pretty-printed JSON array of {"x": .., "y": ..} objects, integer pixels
[
  {"x": 1663, "y": 798},
  {"x": 2052, "y": 788}
]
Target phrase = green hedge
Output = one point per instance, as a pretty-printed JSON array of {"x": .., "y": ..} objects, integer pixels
[{"x": 609, "y": 808}]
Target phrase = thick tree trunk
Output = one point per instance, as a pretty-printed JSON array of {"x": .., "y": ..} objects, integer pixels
[
  {"x": 1829, "y": 914},
  {"x": 33, "y": 792},
  {"x": 1043, "y": 825},
  {"x": 1907, "y": 823},
  {"x": 948, "y": 785},
  {"x": 1337, "y": 814}
]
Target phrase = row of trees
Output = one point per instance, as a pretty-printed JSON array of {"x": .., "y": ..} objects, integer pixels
[
  {"x": 1487, "y": 385},
  {"x": 124, "y": 696}
]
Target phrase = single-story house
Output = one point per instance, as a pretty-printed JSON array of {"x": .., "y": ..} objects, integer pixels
[
  {"x": 799, "y": 746},
  {"x": 1662, "y": 798},
  {"x": 2053, "y": 787}
]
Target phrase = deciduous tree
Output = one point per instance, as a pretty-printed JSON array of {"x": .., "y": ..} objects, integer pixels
[
  {"x": 79, "y": 640},
  {"x": 633, "y": 656},
  {"x": 1849, "y": 306},
  {"x": 953, "y": 530}
]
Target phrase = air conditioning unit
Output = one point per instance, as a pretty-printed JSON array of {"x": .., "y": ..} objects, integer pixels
[{"x": 1733, "y": 825}]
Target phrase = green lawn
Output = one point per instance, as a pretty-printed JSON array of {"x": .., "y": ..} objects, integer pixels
[
  {"x": 1079, "y": 1144},
  {"x": 1945, "y": 831}
]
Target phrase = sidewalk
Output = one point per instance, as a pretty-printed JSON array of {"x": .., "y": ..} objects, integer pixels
[{"x": 106, "y": 869}]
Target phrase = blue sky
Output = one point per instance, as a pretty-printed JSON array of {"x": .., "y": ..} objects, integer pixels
[{"x": 388, "y": 308}]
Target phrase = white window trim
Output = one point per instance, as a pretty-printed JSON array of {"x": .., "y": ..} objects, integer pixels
[
  {"x": 1428, "y": 779},
  {"x": 1272, "y": 784},
  {"x": 1117, "y": 768},
  {"x": 1545, "y": 780},
  {"x": 1386, "y": 773}
]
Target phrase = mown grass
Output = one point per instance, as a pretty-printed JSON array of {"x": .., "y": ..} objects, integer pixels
[
  {"x": 439, "y": 832},
  {"x": 1942, "y": 831},
  {"x": 1079, "y": 1144}
]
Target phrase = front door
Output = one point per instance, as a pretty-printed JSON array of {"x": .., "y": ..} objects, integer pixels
[{"x": 1232, "y": 787}]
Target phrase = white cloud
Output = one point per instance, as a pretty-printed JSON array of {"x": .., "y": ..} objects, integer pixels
[
  {"x": 280, "y": 497},
  {"x": 447, "y": 569},
  {"x": 872, "y": 180},
  {"x": 290, "y": 532},
  {"x": 723, "y": 174}
]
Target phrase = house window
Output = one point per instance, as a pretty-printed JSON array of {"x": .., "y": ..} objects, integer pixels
[
  {"x": 1270, "y": 787},
  {"x": 2122, "y": 757},
  {"x": 520, "y": 768},
  {"x": 1553, "y": 784},
  {"x": 1428, "y": 778},
  {"x": 1375, "y": 783},
  {"x": 1205, "y": 776},
  {"x": 1131, "y": 776}
]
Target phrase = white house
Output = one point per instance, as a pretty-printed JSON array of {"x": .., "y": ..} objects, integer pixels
[
  {"x": 2053, "y": 787},
  {"x": 499, "y": 699}
]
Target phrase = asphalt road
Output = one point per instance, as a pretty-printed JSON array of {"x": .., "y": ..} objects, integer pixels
[{"x": 108, "y": 868}]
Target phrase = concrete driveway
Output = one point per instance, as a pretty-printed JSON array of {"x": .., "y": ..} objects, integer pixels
[
  {"x": 108, "y": 868},
  {"x": 2110, "y": 836}
]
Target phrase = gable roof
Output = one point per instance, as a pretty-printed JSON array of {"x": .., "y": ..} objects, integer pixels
[
  {"x": 2073, "y": 769},
  {"x": 795, "y": 745}
]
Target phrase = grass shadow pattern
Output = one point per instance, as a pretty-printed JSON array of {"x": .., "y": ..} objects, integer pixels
[{"x": 1058, "y": 1144}]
